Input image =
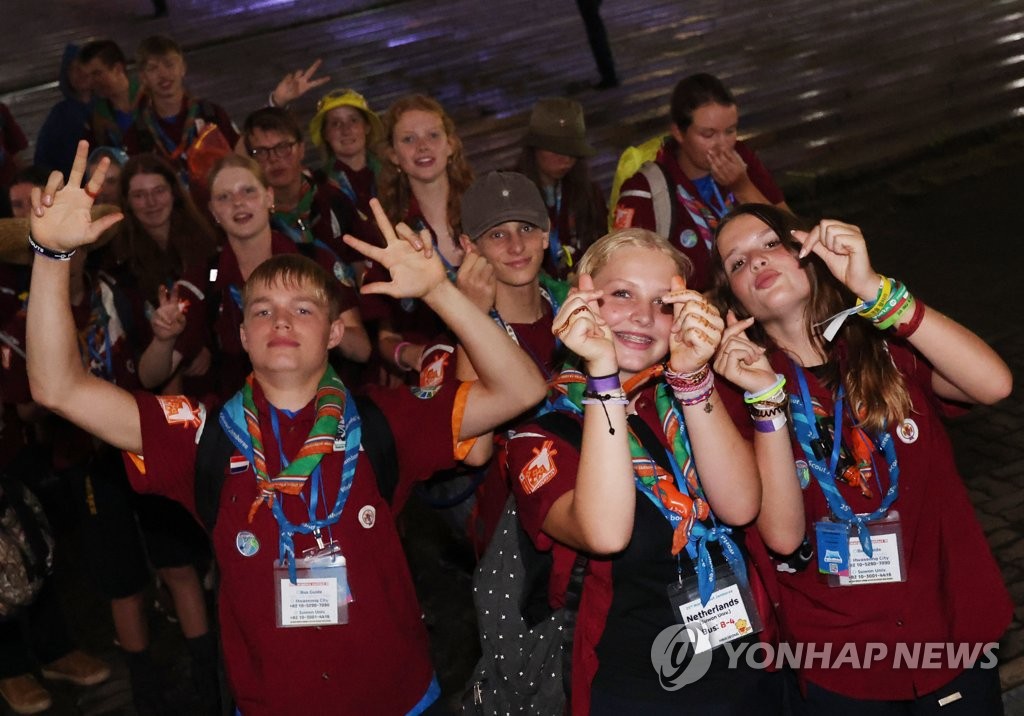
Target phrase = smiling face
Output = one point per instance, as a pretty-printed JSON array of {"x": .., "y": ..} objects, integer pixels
[
  {"x": 633, "y": 280},
  {"x": 345, "y": 131},
  {"x": 151, "y": 200},
  {"x": 515, "y": 250},
  {"x": 764, "y": 275},
  {"x": 287, "y": 329},
  {"x": 713, "y": 129},
  {"x": 163, "y": 76},
  {"x": 240, "y": 203},
  {"x": 419, "y": 145}
]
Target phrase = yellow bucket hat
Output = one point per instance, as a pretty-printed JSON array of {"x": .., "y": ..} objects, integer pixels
[{"x": 344, "y": 98}]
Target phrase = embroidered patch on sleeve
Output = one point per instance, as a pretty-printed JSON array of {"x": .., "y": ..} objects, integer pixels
[
  {"x": 540, "y": 470},
  {"x": 623, "y": 217},
  {"x": 238, "y": 464},
  {"x": 178, "y": 410}
]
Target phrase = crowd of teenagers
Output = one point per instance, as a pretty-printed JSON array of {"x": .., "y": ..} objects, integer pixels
[{"x": 705, "y": 410}]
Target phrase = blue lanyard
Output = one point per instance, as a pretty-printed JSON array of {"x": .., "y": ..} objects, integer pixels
[
  {"x": 496, "y": 317},
  {"x": 554, "y": 243},
  {"x": 806, "y": 428},
  {"x": 700, "y": 534},
  {"x": 350, "y": 432}
]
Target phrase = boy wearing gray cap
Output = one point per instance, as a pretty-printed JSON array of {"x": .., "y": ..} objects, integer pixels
[{"x": 506, "y": 235}]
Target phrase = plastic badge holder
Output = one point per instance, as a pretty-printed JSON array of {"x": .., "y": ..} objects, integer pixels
[
  {"x": 320, "y": 595},
  {"x": 887, "y": 563},
  {"x": 730, "y": 614}
]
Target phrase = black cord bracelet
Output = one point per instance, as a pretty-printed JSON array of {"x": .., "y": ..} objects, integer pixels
[{"x": 49, "y": 253}]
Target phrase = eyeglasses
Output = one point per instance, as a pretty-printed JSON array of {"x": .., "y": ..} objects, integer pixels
[{"x": 278, "y": 151}]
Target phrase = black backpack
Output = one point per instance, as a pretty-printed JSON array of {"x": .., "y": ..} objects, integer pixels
[
  {"x": 215, "y": 450},
  {"x": 526, "y": 661}
]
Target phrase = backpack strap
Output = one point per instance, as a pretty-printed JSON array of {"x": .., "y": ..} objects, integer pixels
[
  {"x": 215, "y": 450},
  {"x": 661, "y": 197}
]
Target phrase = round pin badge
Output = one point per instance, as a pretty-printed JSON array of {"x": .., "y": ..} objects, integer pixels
[
  {"x": 688, "y": 238},
  {"x": 246, "y": 543},
  {"x": 803, "y": 472},
  {"x": 367, "y": 516},
  {"x": 907, "y": 431}
]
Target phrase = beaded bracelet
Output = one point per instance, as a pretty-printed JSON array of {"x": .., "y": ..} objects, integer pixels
[{"x": 50, "y": 253}]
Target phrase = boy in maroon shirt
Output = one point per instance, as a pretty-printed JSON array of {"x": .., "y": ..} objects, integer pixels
[{"x": 377, "y": 662}]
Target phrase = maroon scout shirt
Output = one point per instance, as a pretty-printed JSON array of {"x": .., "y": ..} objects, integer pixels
[
  {"x": 638, "y": 210},
  {"x": 378, "y": 663},
  {"x": 954, "y": 591}
]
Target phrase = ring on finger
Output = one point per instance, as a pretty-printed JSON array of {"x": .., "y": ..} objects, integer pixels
[{"x": 90, "y": 193}]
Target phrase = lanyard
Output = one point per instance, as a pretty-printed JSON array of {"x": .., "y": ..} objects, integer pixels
[
  {"x": 806, "y": 428},
  {"x": 644, "y": 449},
  {"x": 554, "y": 242},
  {"x": 349, "y": 433}
]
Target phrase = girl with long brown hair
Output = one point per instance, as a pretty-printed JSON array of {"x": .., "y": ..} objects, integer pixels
[{"x": 876, "y": 544}]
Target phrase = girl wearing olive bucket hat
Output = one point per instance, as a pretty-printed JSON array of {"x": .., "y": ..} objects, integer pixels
[
  {"x": 554, "y": 157},
  {"x": 345, "y": 128}
]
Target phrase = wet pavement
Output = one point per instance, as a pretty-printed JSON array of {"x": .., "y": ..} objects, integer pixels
[{"x": 903, "y": 117}]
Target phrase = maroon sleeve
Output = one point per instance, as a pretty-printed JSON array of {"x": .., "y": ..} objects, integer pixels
[
  {"x": 541, "y": 468},
  {"x": 916, "y": 368},
  {"x": 635, "y": 207},
  {"x": 760, "y": 175},
  {"x": 422, "y": 431},
  {"x": 171, "y": 426}
]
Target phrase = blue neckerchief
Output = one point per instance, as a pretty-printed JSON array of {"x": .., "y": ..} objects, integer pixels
[
  {"x": 232, "y": 419},
  {"x": 700, "y": 534},
  {"x": 807, "y": 434}
]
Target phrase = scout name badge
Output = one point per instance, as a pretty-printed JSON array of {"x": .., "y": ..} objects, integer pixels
[
  {"x": 720, "y": 606},
  {"x": 313, "y": 590},
  {"x": 853, "y": 548}
]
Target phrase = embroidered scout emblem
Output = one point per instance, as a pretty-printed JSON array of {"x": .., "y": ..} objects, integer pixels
[
  {"x": 178, "y": 410},
  {"x": 435, "y": 362},
  {"x": 238, "y": 464},
  {"x": 540, "y": 470},
  {"x": 803, "y": 473},
  {"x": 367, "y": 516},
  {"x": 623, "y": 218},
  {"x": 688, "y": 238},
  {"x": 246, "y": 543},
  {"x": 907, "y": 431}
]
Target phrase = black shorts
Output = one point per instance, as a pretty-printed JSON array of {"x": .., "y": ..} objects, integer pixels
[{"x": 124, "y": 532}]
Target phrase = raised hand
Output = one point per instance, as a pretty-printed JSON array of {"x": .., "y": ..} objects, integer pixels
[
  {"x": 843, "y": 249},
  {"x": 61, "y": 220},
  {"x": 413, "y": 275},
  {"x": 696, "y": 328},
  {"x": 295, "y": 84},
  {"x": 580, "y": 327},
  {"x": 728, "y": 168},
  {"x": 476, "y": 280},
  {"x": 741, "y": 361},
  {"x": 168, "y": 320}
]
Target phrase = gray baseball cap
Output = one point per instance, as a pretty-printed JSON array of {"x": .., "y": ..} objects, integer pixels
[{"x": 497, "y": 197}]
